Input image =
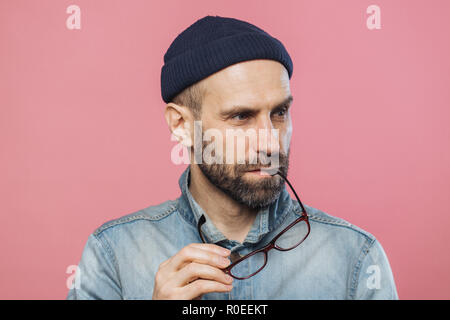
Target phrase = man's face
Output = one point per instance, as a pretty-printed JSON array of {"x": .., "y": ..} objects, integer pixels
[{"x": 251, "y": 95}]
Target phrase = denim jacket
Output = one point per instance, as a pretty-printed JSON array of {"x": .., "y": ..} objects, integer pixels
[{"x": 336, "y": 261}]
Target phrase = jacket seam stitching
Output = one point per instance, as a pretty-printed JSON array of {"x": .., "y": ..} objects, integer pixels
[
  {"x": 340, "y": 224},
  {"x": 357, "y": 268},
  {"x": 112, "y": 256},
  {"x": 330, "y": 221},
  {"x": 133, "y": 218}
]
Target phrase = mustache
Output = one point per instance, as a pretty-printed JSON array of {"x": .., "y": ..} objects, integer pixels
[{"x": 244, "y": 167}]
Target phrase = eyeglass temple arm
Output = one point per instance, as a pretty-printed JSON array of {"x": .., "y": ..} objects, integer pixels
[
  {"x": 199, "y": 225},
  {"x": 293, "y": 190}
]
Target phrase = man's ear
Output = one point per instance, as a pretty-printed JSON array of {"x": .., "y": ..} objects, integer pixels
[{"x": 179, "y": 119}]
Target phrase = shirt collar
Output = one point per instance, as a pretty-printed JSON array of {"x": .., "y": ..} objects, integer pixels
[{"x": 266, "y": 220}]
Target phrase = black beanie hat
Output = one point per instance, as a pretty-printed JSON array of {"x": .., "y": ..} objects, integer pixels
[{"x": 211, "y": 44}]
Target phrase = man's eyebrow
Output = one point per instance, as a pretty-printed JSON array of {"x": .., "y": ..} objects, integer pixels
[
  {"x": 247, "y": 109},
  {"x": 285, "y": 102}
]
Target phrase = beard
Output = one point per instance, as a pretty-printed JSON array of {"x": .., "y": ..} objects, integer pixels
[{"x": 253, "y": 193}]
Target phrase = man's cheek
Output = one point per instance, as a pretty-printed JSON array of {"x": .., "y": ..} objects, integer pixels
[{"x": 285, "y": 139}]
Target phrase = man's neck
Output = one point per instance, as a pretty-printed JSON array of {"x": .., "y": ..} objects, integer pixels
[{"x": 233, "y": 219}]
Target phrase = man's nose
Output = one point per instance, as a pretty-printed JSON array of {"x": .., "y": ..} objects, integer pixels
[{"x": 268, "y": 136}]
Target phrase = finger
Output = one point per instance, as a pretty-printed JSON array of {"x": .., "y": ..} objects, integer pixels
[
  {"x": 201, "y": 286},
  {"x": 195, "y": 254},
  {"x": 165, "y": 262},
  {"x": 194, "y": 271},
  {"x": 212, "y": 247}
]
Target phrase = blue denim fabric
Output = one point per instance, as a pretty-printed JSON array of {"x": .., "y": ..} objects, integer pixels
[{"x": 337, "y": 261}]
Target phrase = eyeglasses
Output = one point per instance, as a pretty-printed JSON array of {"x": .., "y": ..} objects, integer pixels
[{"x": 291, "y": 236}]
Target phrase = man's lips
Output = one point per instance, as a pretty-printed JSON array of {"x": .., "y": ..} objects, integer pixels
[{"x": 259, "y": 171}]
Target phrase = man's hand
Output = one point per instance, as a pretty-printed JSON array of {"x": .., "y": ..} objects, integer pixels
[{"x": 192, "y": 272}]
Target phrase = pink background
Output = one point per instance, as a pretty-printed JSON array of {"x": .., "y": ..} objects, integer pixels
[{"x": 83, "y": 139}]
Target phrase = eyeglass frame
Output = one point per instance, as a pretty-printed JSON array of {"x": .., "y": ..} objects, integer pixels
[{"x": 271, "y": 245}]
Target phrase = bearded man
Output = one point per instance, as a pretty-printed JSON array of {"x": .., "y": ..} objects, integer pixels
[{"x": 235, "y": 232}]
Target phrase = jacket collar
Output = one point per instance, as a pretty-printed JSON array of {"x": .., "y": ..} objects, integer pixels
[{"x": 266, "y": 220}]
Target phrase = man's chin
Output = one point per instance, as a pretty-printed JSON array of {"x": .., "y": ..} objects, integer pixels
[
  {"x": 260, "y": 195},
  {"x": 255, "y": 189},
  {"x": 259, "y": 204}
]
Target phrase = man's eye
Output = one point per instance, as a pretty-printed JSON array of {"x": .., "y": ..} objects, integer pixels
[
  {"x": 240, "y": 116},
  {"x": 281, "y": 112}
]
